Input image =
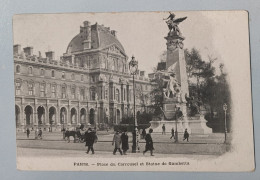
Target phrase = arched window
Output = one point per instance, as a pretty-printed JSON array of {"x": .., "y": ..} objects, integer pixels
[
  {"x": 52, "y": 73},
  {"x": 18, "y": 69},
  {"x": 72, "y": 76},
  {"x": 30, "y": 70}
]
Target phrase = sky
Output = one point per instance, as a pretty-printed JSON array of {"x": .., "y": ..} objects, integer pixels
[{"x": 141, "y": 33}]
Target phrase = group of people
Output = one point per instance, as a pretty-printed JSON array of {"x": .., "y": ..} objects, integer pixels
[
  {"x": 120, "y": 141},
  {"x": 38, "y": 133},
  {"x": 173, "y": 135}
]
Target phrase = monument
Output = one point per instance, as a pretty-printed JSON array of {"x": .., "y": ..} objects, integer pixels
[{"x": 177, "y": 91}]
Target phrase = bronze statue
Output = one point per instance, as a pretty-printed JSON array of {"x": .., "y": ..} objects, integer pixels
[{"x": 173, "y": 23}]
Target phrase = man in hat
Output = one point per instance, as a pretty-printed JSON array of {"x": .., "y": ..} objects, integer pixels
[{"x": 117, "y": 141}]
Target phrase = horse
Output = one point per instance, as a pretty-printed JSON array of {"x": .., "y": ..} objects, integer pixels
[{"x": 75, "y": 134}]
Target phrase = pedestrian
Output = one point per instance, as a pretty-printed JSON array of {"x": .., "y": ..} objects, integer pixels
[
  {"x": 36, "y": 133},
  {"x": 117, "y": 141},
  {"x": 172, "y": 132},
  {"x": 143, "y": 133},
  {"x": 124, "y": 139},
  {"x": 149, "y": 143},
  {"x": 163, "y": 129},
  {"x": 40, "y": 133},
  {"x": 28, "y": 132},
  {"x": 91, "y": 138},
  {"x": 186, "y": 135}
]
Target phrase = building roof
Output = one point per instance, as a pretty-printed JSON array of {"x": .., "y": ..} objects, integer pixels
[{"x": 103, "y": 38}]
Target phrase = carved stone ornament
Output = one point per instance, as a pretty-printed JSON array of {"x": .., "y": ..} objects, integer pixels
[{"x": 173, "y": 44}]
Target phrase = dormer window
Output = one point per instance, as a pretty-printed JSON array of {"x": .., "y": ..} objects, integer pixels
[
  {"x": 82, "y": 78},
  {"x": 63, "y": 75},
  {"x": 30, "y": 70}
]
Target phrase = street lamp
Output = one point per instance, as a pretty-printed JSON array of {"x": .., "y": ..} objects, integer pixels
[
  {"x": 225, "y": 110},
  {"x": 133, "y": 67},
  {"x": 176, "y": 124}
]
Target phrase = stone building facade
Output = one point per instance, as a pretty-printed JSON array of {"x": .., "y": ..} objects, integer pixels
[{"x": 89, "y": 84}]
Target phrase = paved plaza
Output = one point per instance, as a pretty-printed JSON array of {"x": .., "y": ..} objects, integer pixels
[{"x": 198, "y": 144}]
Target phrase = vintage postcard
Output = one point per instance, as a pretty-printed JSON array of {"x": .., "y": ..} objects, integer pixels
[{"x": 133, "y": 91}]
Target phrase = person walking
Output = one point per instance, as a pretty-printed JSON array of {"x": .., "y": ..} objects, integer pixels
[
  {"x": 91, "y": 138},
  {"x": 172, "y": 132},
  {"x": 117, "y": 141},
  {"x": 186, "y": 135},
  {"x": 149, "y": 143},
  {"x": 28, "y": 132},
  {"x": 163, "y": 129},
  {"x": 124, "y": 139},
  {"x": 36, "y": 133},
  {"x": 40, "y": 133},
  {"x": 143, "y": 133}
]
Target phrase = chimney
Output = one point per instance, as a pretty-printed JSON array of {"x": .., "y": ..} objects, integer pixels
[
  {"x": 86, "y": 23},
  {"x": 17, "y": 49},
  {"x": 28, "y": 51},
  {"x": 113, "y": 32},
  {"x": 50, "y": 55}
]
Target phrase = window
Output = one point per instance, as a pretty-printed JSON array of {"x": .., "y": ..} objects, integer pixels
[
  {"x": 82, "y": 78},
  {"x": 53, "y": 90},
  {"x": 63, "y": 75},
  {"x": 72, "y": 76},
  {"x": 30, "y": 70},
  {"x": 42, "y": 72},
  {"x": 117, "y": 95},
  {"x": 73, "y": 93},
  {"x": 92, "y": 78},
  {"x": 63, "y": 92},
  {"x": 18, "y": 88},
  {"x": 82, "y": 94},
  {"x": 52, "y": 73},
  {"x": 30, "y": 88},
  {"x": 93, "y": 95},
  {"x": 18, "y": 69},
  {"x": 42, "y": 89}
]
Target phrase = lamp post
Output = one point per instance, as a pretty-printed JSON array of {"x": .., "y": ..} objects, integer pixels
[
  {"x": 133, "y": 67},
  {"x": 225, "y": 110},
  {"x": 176, "y": 124}
]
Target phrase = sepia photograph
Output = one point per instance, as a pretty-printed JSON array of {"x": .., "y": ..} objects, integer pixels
[{"x": 133, "y": 91}]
